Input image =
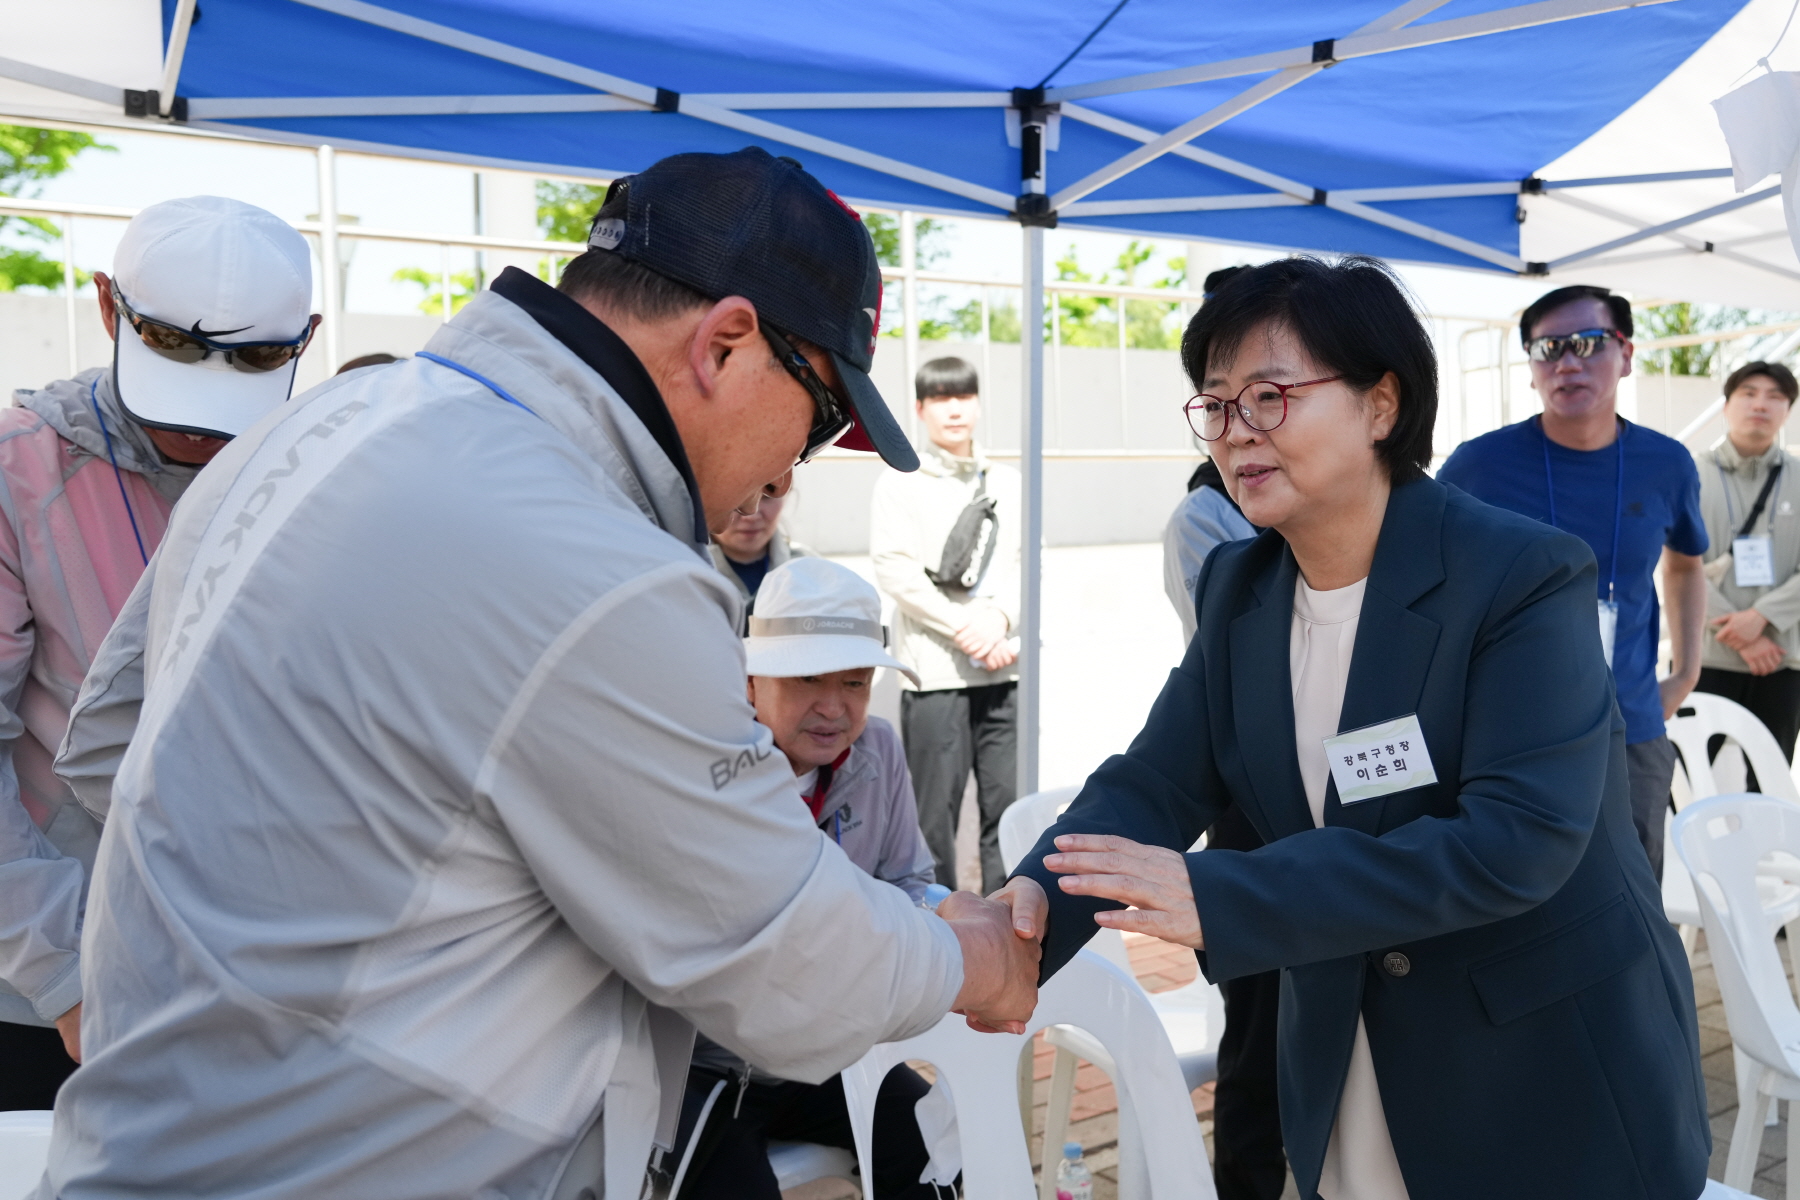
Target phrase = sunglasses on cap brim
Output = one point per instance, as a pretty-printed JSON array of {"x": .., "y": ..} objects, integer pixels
[
  {"x": 831, "y": 416},
  {"x": 185, "y": 346},
  {"x": 1583, "y": 343}
]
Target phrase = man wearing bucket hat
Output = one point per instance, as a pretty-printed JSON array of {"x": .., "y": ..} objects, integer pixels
[
  {"x": 208, "y": 308},
  {"x": 816, "y": 641},
  {"x": 445, "y": 822}
]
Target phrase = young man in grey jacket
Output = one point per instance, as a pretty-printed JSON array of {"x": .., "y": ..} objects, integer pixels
[
  {"x": 445, "y": 820},
  {"x": 816, "y": 641}
]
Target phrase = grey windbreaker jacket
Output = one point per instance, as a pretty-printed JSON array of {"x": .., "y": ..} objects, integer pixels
[{"x": 445, "y": 795}]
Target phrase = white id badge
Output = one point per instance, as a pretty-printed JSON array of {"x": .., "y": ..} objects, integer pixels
[
  {"x": 1753, "y": 559},
  {"x": 1609, "y": 626},
  {"x": 1378, "y": 759}
]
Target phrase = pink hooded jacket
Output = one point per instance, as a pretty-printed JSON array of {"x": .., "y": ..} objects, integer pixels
[{"x": 69, "y": 556}]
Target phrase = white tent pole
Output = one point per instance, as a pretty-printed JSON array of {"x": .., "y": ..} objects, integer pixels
[
  {"x": 444, "y": 278},
  {"x": 178, "y": 37},
  {"x": 909, "y": 303},
  {"x": 68, "y": 249},
  {"x": 328, "y": 255},
  {"x": 1031, "y": 462}
]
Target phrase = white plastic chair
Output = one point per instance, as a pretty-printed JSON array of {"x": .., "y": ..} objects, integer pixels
[
  {"x": 24, "y": 1151},
  {"x": 978, "y": 1071},
  {"x": 1193, "y": 1015},
  {"x": 1779, "y": 881},
  {"x": 1723, "y": 841}
]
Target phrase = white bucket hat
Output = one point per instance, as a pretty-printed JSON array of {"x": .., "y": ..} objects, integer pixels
[
  {"x": 814, "y": 617},
  {"x": 226, "y": 271}
]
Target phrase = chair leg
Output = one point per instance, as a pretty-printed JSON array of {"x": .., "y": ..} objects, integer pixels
[
  {"x": 1027, "y": 1069},
  {"x": 1056, "y": 1120},
  {"x": 1746, "y": 1133},
  {"x": 1689, "y": 935}
]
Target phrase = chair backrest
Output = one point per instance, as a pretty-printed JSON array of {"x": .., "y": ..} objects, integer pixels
[
  {"x": 1721, "y": 840},
  {"x": 980, "y": 1071},
  {"x": 1715, "y": 715},
  {"x": 1025, "y": 820},
  {"x": 24, "y": 1151}
]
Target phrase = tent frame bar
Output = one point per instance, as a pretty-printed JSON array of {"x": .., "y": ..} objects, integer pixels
[
  {"x": 1358, "y": 45},
  {"x": 1651, "y": 231},
  {"x": 178, "y": 39}
]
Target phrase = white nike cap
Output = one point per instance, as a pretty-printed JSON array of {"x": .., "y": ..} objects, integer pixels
[
  {"x": 815, "y": 617},
  {"x": 229, "y": 272}
]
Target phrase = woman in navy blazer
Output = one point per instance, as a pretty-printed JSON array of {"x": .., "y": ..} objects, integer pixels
[{"x": 1529, "y": 1012}]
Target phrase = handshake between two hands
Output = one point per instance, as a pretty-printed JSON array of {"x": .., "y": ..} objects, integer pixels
[{"x": 1002, "y": 936}]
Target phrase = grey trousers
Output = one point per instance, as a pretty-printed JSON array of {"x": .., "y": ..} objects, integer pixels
[
  {"x": 1651, "y": 766},
  {"x": 948, "y": 733}
]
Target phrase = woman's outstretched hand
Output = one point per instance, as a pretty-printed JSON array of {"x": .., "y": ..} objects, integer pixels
[{"x": 1152, "y": 879}]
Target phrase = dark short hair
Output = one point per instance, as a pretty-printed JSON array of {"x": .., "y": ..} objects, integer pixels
[
  {"x": 1549, "y": 302},
  {"x": 1353, "y": 320},
  {"x": 946, "y": 377},
  {"x": 630, "y": 287},
  {"x": 1218, "y": 279},
  {"x": 1777, "y": 374},
  {"x": 378, "y": 359}
]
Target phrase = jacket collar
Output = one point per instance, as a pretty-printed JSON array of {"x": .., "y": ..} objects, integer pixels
[
  {"x": 935, "y": 460},
  {"x": 1727, "y": 456},
  {"x": 500, "y": 341},
  {"x": 1391, "y": 658},
  {"x": 609, "y": 356}
]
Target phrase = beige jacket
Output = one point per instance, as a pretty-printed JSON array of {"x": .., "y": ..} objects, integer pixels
[
  {"x": 1728, "y": 487},
  {"x": 912, "y": 515}
]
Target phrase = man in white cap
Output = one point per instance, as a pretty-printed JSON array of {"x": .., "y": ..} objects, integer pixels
[
  {"x": 208, "y": 307},
  {"x": 816, "y": 641},
  {"x": 445, "y": 822}
]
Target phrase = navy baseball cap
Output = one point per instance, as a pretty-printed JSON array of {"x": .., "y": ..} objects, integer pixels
[{"x": 753, "y": 225}]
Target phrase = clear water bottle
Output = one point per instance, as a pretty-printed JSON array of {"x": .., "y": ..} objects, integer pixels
[
  {"x": 1073, "y": 1181},
  {"x": 935, "y": 894}
]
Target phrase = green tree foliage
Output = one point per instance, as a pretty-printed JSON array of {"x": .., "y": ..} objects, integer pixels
[
  {"x": 1094, "y": 320},
  {"x": 464, "y": 287},
  {"x": 565, "y": 210},
  {"x": 29, "y": 156},
  {"x": 1675, "y": 320}
]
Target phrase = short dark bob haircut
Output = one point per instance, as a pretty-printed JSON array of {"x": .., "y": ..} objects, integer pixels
[
  {"x": 1775, "y": 373},
  {"x": 1352, "y": 319},
  {"x": 946, "y": 377}
]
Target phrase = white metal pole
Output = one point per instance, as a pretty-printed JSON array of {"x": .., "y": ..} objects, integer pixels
[
  {"x": 444, "y": 277},
  {"x": 1031, "y": 462},
  {"x": 1124, "y": 394},
  {"x": 328, "y": 255},
  {"x": 68, "y": 250},
  {"x": 909, "y": 311},
  {"x": 987, "y": 342}
]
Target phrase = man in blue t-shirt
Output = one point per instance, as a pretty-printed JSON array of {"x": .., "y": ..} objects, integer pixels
[{"x": 1631, "y": 493}]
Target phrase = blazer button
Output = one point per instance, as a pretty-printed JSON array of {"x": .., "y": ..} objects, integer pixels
[{"x": 1396, "y": 963}]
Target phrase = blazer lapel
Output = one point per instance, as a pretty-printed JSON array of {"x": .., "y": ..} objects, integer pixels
[
  {"x": 1262, "y": 696},
  {"x": 1394, "y": 645}
]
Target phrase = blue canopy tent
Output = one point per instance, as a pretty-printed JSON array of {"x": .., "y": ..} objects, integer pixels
[{"x": 1408, "y": 132}]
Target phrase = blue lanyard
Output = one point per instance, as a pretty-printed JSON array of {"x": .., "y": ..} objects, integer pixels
[
  {"x": 483, "y": 380},
  {"x": 1618, "y": 501},
  {"x": 94, "y": 399},
  {"x": 1730, "y": 512}
]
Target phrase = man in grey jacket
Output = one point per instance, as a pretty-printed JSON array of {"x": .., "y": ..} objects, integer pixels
[{"x": 445, "y": 814}]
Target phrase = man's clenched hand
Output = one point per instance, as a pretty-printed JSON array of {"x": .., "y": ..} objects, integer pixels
[{"x": 1000, "y": 964}]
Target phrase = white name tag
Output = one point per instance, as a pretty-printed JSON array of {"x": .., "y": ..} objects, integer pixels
[
  {"x": 1753, "y": 559},
  {"x": 1378, "y": 759},
  {"x": 1609, "y": 628}
]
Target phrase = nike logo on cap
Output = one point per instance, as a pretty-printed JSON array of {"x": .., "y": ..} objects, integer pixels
[{"x": 215, "y": 333}]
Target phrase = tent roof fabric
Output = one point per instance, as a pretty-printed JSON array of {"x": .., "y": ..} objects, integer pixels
[{"x": 1486, "y": 109}]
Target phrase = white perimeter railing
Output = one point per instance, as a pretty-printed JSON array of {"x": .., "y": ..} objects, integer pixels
[{"x": 328, "y": 229}]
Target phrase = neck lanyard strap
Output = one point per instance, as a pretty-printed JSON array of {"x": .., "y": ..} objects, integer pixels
[
  {"x": 1618, "y": 499},
  {"x": 94, "y": 399},
  {"x": 1771, "y": 484}
]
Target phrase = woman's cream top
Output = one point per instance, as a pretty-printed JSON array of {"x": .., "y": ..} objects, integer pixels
[{"x": 1359, "y": 1160}]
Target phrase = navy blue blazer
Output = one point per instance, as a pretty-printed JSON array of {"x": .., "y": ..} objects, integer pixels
[{"x": 1537, "y": 1037}]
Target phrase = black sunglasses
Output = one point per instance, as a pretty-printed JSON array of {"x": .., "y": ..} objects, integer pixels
[
  {"x": 191, "y": 346},
  {"x": 831, "y": 419},
  {"x": 1584, "y": 342}
]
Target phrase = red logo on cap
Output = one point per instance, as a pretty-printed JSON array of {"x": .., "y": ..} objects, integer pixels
[{"x": 839, "y": 201}]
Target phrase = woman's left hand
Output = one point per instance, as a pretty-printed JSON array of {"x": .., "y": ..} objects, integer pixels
[{"x": 1152, "y": 879}]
